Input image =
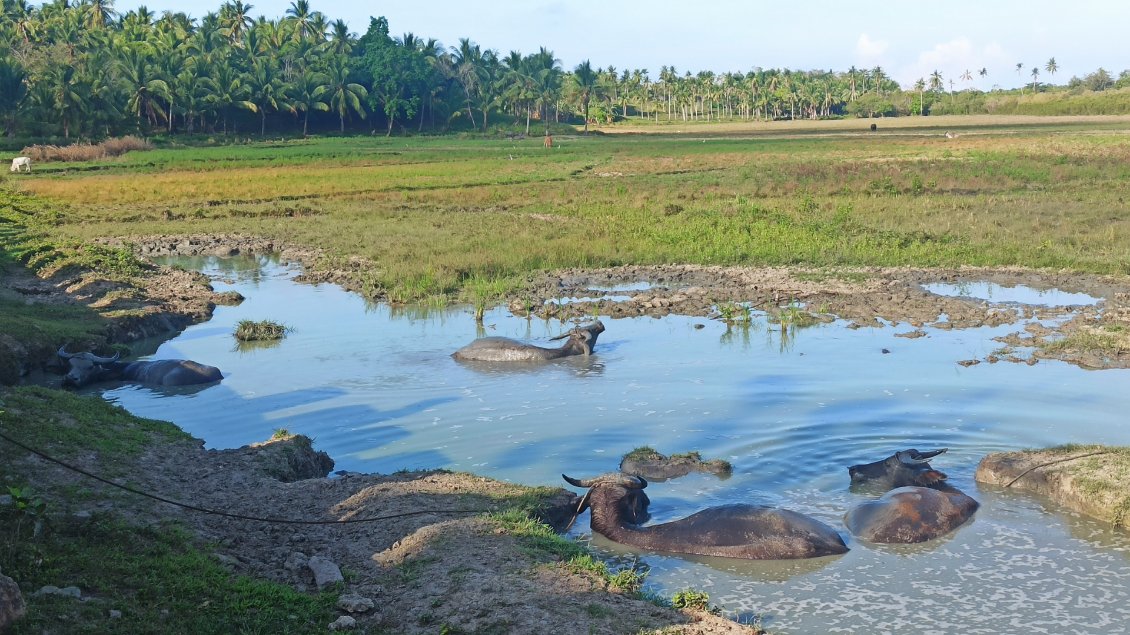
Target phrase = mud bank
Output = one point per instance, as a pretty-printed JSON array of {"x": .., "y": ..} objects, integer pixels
[{"x": 1092, "y": 479}]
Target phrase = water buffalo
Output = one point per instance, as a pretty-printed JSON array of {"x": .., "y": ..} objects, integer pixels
[
  {"x": 578, "y": 341},
  {"x": 754, "y": 532},
  {"x": 87, "y": 368},
  {"x": 920, "y": 505}
]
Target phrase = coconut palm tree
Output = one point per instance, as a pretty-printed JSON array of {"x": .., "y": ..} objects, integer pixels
[
  {"x": 345, "y": 97},
  {"x": 300, "y": 13},
  {"x": 145, "y": 88},
  {"x": 920, "y": 86},
  {"x": 235, "y": 17},
  {"x": 1035, "y": 76},
  {"x": 936, "y": 84},
  {"x": 1051, "y": 67},
  {"x": 266, "y": 90},
  {"x": 305, "y": 94},
  {"x": 584, "y": 79}
]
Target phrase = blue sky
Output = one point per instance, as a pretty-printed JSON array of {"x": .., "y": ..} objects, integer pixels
[{"x": 908, "y": 40}]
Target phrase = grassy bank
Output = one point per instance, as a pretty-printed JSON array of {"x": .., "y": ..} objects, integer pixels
[
  {"x": 436, "y": 214},
  {"x": 157, "y": 577}
]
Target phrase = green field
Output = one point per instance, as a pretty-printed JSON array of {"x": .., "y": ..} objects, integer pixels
[{"x": 437, "y": 215}]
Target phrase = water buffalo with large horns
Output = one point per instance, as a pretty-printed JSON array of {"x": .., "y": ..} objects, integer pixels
[
  {"x": 920, "y": 505},
  {"x": 87, "y": 368},
  {"x": 578, "y": 341},
  {"x": 755, "y": 532}
]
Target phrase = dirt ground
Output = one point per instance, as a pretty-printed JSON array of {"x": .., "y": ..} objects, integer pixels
[{"x": 451, "y": 566}]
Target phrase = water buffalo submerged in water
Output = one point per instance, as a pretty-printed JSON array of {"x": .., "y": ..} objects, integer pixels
[
  {"x": 87, "y": 368},
  {"x": 580, "y": 341},
  {"x": 755, "y": 532},
  {"x": 920, "y": 507}
]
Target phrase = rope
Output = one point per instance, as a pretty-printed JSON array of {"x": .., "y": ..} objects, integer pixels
[
  {"x": 1070, "y": 458},
  {"x": 205, "y": 510}
]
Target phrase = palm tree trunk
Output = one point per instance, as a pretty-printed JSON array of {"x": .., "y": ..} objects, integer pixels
[{"x": 305, "y": 122}]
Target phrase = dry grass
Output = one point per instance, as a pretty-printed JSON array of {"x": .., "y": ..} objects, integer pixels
[{"x": 87, "y": 151}]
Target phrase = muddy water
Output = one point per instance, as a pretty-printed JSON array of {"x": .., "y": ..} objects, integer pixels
[{"x": 378, "y": 390}]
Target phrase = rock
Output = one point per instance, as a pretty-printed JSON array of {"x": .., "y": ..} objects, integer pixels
[
  {"x": 343, "y": 623},
  {"x": 354, "y": 603},
  {"x": 70, "y": 591},
  {"x": 292, "y": 459},
  {"x": 912, "y": 334},
  {"x": 229, "y": 562},
  {"x": 969, "y": 362},
  {"x": 296, "y": 563},
  {"x": 1092, "y": 479},
  {"x": 325, "y": 571},
  {"x": 652, "y": 465},
  {"x": 12, "y": 606},
  {"x": 115, "y": 614}
]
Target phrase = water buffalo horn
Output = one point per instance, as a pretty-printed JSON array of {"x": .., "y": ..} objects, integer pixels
[
  {"x": 914, "y": 457},
  {"x": 586, "y": 483},
  {"x": 623, "y": 480},
  {"x": 90, "y": 357}
]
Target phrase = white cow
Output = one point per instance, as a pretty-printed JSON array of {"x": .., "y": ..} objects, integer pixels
[{"x": 21, "y": 162}]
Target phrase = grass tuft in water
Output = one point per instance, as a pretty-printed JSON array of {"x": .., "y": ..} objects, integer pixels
[{"x": 261, "y": 331}]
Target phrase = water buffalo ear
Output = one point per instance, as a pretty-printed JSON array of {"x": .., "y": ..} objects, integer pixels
[{"x": 586, "y": 341}]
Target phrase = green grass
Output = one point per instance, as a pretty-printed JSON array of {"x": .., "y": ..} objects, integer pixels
[
  {"x": 260, "y": 331},
  {"x": 158, "y": 580},
  {"x": 1102, "y": 342},
  {"x": 470, "y": 219},
  {"x": 70, "y": 426}
]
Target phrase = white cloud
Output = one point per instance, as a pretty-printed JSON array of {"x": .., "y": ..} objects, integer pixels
[
  {"x": 956, "y": 56},
  {"x": 869, "y": 51}
]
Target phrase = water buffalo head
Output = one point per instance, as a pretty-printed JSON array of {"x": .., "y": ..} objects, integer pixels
[
  {"x": 901, "y": 469},
  {"x": 581, "y": 339},
  {"x": 618, "y": 495},
  {"x": 86, "y": 368}
]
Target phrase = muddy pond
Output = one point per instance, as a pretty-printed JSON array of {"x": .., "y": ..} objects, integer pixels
[{"x": 376, "y": 388}]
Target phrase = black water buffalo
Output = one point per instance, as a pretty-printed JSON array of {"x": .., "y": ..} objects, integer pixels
[
  {"x": 87, "y": 368},
  {"x": 920, "y": 505},
  {"x": 578, "y": 341},
  {"x": 755, "y": 532}
]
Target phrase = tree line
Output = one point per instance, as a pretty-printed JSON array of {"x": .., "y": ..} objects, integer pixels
[{"x": 82, "y": 70}]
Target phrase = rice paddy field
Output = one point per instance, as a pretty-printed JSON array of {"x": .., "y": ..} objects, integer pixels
[{"x": 435, "y": 214}]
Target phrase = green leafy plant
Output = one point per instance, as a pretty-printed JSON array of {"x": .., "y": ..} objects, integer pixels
[
  {"x": 691, "y": 599},
  {"x": 29, "y": 509}
]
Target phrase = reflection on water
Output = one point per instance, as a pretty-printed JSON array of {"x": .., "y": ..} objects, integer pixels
[
  {"x": 378, "y": 390},
  {"x": 1019, "y": 294}
]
